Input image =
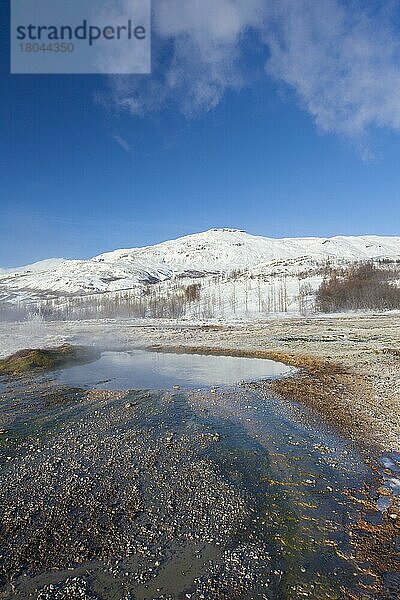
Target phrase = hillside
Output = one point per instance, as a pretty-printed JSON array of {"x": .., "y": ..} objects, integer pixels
[{"x": 218, "y": 259}]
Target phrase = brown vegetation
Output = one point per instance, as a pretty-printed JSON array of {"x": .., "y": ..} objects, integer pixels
[
  {"x": 359, "y": 287},
  {"x": 47, "y": 359}
]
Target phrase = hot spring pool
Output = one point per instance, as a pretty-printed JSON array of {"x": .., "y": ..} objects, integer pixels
[{"x": 140, "y": 369}]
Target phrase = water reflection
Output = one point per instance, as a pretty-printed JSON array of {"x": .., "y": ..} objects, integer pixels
[{"x": 139, "y": 369}]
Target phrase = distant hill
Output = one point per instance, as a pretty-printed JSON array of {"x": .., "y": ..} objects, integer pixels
[{"x": 215, "y": 259}]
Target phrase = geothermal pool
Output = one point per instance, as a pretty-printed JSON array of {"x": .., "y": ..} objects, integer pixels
[{"x": 140, "y": 369}]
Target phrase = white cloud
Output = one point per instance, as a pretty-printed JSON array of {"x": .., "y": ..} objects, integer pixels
[
  {"x": 341, "y": 60},
  {"x": 126, "y": 56},
  {"x": 344, "y": 65},
  {"x": 201, "y": 63},
  {"x": 123, "y": 143}
]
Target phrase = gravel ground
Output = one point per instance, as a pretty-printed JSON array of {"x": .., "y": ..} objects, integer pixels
[
  {"x": 172, "y": 495},
  {"x": 124, "y": 495},
  {"x": 110, "y": 490}
]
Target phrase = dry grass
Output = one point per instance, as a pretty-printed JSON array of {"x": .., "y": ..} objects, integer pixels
[{"x": 34, "y": 360}]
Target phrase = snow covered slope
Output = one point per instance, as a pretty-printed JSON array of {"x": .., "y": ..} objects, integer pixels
[
  {"x": 39, "y": 267},
  {"x": 226, "y": 249},
  {"x": 202, "y": 255}
]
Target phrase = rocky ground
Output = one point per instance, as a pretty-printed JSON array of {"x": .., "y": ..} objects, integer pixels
[
  {"x": 130, "y": 495},
  {"x": 170, "y": 495},
  {"x": 107, "y": 489}
]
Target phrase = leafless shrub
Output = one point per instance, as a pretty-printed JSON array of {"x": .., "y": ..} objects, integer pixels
[
  {"x": 192, "y": 292},
  {"x": 360, "y": 287}
]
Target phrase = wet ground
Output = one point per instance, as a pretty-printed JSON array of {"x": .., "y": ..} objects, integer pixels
[{"x": 199, "y": 493}]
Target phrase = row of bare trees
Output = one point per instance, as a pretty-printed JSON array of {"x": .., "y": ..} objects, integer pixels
[
  {"x": 360, "y": 287},
  {"x": 148, "y": 302},
  {"x": 213, "y": 298}
]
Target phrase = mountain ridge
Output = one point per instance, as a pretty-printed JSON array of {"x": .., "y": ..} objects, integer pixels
[
  {"x": 51, "y": 263},
  {"x": 212, "y": 252}
]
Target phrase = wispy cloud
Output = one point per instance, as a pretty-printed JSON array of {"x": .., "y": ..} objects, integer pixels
[
  {"x": 342, "y": 59},
  {"x": 196, "y": 54},
  {"x": 125, "y": 145},
  {"x": 344, "y": 64}
]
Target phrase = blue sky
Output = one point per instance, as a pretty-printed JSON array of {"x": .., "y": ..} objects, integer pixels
[{"x": 83, "y": 170}]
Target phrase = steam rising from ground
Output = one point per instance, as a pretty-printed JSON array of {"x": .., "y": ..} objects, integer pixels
[{"x": 33, "y": 333}]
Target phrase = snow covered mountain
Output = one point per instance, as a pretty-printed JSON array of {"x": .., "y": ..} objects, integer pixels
[
  {"x": 38, "y": 267},
  {"x": 202, "y": 256},
  {"x": 226, "y": 249}
]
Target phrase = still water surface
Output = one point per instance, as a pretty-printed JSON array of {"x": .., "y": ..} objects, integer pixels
[{"x": 139, "y": 369}]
